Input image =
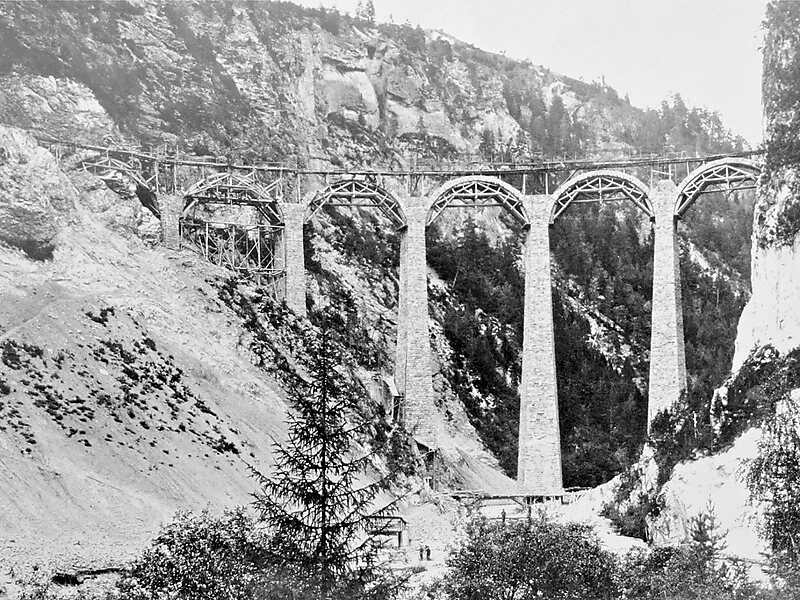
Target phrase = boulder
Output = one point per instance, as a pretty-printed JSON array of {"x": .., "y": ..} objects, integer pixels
[
  {"x": 36, "y": 198},
  {"x": 115, "y": 204}
]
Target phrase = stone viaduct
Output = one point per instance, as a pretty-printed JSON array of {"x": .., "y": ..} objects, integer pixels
[{"x": 411, "y": 209}]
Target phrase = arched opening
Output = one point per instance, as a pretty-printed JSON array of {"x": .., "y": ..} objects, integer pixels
[
  {"x": 368, "y": 220},
  {"x": 601, "y": 186},
  {"x": 474, "y": 245},
  {"x": 478, "y": 192},
  {"x": 727, "y": 174},
  {"x": 235, "y": 222},
  {"x": 602, "y": 294},
  {"x": 364, "y": 192},
  {"x": 714, "y": 209}
]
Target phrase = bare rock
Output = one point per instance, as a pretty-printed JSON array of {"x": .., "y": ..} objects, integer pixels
[
  {"x": 713, "y": 483},
  {"x": 122, "y": 212},
  {"x": 55, "y": 107},
  {"x": 36, "y": 198}
]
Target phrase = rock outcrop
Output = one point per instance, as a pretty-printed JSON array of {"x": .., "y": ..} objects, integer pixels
[
  {"x": 771, "y": 316},
  {"x": 36, "y": 198},
  {"x": 274, "y": 81},
  {"x": 57, "y": 106}
]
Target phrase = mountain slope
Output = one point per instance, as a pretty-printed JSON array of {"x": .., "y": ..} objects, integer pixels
[
  {"x": 271, "y": 81},
  {"x": 119, "y": 370}
]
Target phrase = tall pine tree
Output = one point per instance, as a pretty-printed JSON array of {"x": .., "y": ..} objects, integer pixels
[{"x": 319, "y": 508}]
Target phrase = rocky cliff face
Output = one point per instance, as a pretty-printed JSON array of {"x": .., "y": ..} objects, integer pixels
[
  {"x": 771, "y": 317},
  {"x": 273, "y": 81},
  {"x": 39, "y": 198}
]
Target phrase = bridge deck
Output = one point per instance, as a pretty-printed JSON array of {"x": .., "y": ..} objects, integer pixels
[{"x": 451, "y": 169}]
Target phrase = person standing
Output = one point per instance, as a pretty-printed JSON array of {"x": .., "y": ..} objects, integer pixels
[{"x": 427, "y": 552}]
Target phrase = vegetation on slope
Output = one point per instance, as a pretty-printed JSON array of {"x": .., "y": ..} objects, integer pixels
[
  {"x": 778, "y": 213},
  {"x": 231, "y": 557},
  {"x": 146, "y": 396},
  {"x": 604, "y": 263}
]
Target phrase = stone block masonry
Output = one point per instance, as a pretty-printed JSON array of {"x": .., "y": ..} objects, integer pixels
[
  {"x": 539, "y": 459},
  {"x": 295, "y": 267},
  {"x": 413, "y": 373},
  {"x": 171, "y": 207},
  {"x": 667, "y": 348}
]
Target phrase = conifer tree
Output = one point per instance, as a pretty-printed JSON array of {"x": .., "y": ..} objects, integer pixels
[
  {"x": 319, "y": 510},
  {"x": 366, "y": 11},
  {"x": 774, "y": 479}
]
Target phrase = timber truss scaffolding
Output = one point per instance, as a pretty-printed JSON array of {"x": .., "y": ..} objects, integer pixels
[
  {"x": 728, "y": 175},
  {"x": 358, "y": 191},
  {"x": 601, "y": 186},
  {"x": 249, "y": 241},
  {"x": 248, "y": 249},
  {"x": 478, "y": 192},
  {"x": 234, "y": 189}
]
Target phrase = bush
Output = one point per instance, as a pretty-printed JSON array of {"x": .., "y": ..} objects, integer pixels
[
  {"x": 632, "y": 503},
  {"x": 631, "y": 519},
  {"x": 536, "y": 559},
  {"x": 688, "y": 572},
  {"x": 201, "y": 557},
  {"x": 695, "y": 570},
  {"x": 677, "y": 433}
]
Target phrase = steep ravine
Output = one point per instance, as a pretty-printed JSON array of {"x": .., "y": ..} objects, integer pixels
[{"x": 257, "y": 82}]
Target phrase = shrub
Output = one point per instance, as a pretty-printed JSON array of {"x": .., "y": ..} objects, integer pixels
[
  {"x": 202, "y": 557},
  {"x": 331, "y": 21},
  {"x": 400, "y": 456},
  {"x": 679, "y": 432},
  {"x": 631, "y": 519},
  {"x": 535, "y": 559},
  {"x": 752, "y": 392},
  {"x": 688, "y": 572}
]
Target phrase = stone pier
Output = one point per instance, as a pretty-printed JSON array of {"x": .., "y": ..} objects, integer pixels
[
  {"x": 294, "y": 265},
  {"x": 667, "y": 349},
  {"x": 413, "y": 374},
  {"x": 539, "y": 461},
  {"x": 170, "y": 206}
]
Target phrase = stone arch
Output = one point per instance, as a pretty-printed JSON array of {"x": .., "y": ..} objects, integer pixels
[
  {"x": 601, "y": 185},
  {"x": 233, "y": 189},
  {"x": 357, "y": 191},
  {"x": 478, "y": 191},
  {"x": 730, "y": 173}
]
